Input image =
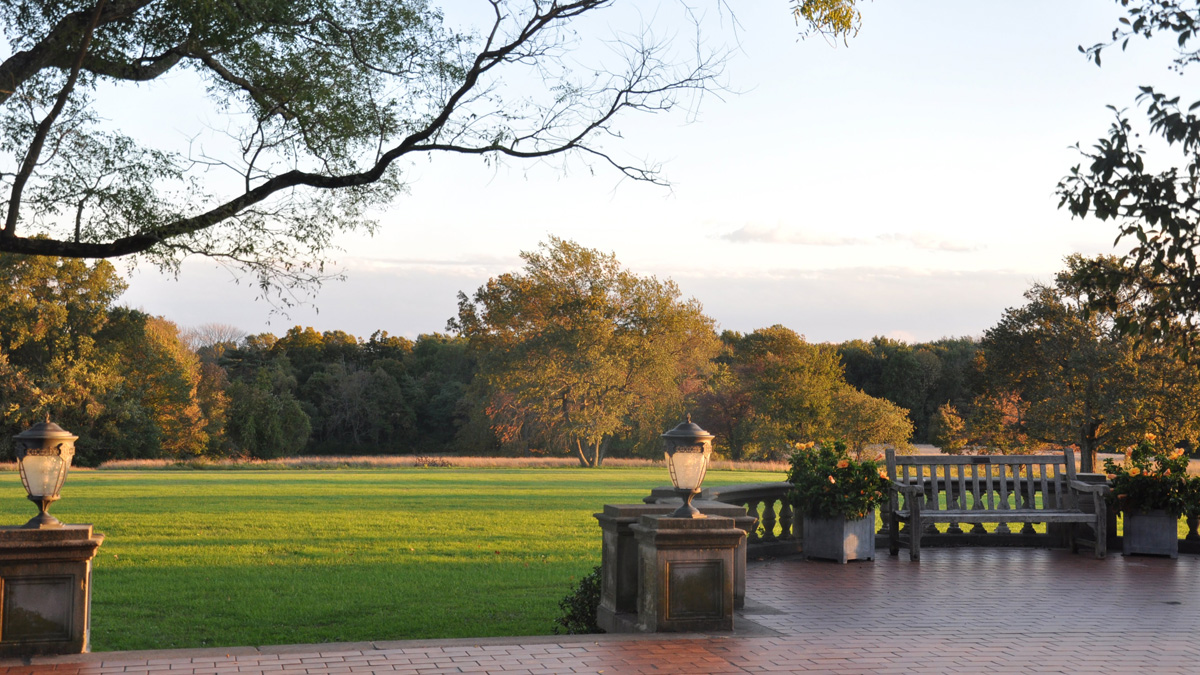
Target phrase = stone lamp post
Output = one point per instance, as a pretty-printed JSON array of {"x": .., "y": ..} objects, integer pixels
[
  {"x": 45, "y": 566},
  {"x": 44, "y": 452},
  {"x": 687, "y": 448}
]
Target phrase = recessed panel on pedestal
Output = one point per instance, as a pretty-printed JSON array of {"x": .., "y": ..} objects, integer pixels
[
  {"x": 695, "y": 589},
  {"x": 37, "y": 608}
]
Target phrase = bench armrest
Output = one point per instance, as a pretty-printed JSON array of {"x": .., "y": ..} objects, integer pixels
[
  {"x": 1081, "y": 486},
  {"x": 908, "y": 488}
]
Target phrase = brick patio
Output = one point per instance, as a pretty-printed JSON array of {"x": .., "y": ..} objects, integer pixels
[{"x": 957, "y": 611}]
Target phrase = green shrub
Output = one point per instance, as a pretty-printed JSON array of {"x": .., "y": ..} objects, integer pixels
[
  {"x": 827, "y": 483},
  {"x": 1152, "y": 478},
  {"x": 579, "y": 607}
]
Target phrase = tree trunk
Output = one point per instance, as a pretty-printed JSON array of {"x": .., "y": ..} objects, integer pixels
[
  {"x": 591, "y": 455},
  {"x": 1087, "y": 450},
  {"x": 583, "y": 457}
]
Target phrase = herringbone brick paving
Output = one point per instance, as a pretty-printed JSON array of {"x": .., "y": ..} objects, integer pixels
[{"x": 957, "y": 611}]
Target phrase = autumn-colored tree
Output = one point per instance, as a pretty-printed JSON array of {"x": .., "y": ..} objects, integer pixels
[
  {"x": 948, "y": 430},
  {"x": 120, "y": 379},
  {"x": 159, "y": 376},
  {"x": 573, "y": 348},
  {"x": 863, "y": 421}
]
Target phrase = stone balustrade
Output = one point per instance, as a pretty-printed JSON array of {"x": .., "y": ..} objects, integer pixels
[
  {"x": 768, "y": 502},
  {"x": 778, "y": 530}
]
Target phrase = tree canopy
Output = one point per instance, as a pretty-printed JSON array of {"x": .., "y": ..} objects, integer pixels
[
  {"x": 574, "y": 349},
  {"x": 1154, "y": 200},
  {"x": 1056, "y": 374}
]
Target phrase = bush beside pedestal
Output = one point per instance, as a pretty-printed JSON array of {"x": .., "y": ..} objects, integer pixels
[
  {"x": 839, "y": 539},
  {"x": 1151, "y": 533}
]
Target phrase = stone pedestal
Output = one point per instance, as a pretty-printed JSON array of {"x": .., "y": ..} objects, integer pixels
[
  {"x": 619, "y": 558},
  {"x": 46, "y": 590},
  {"x": 685, "y": 573}
]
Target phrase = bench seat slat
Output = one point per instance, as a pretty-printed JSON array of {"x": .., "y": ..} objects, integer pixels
[{"x": 1011, "y": 515}]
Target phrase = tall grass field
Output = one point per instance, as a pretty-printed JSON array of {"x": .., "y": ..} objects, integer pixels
[{"x": 262, "y": 557}]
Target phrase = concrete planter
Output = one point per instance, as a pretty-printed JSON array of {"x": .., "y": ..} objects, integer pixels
[
  {"x": 1151, "y": 533},
  {"x": 839, "y": 539}
]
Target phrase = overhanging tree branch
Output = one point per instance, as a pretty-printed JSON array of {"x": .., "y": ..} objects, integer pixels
[{"x": 328, "y": 103}]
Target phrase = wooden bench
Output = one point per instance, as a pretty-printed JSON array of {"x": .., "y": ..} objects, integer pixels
[{"x": 931, "y": 489}]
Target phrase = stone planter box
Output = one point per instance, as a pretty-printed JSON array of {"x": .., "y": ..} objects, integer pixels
[
  {"x": 1151, "y": 533},
  {"x": 839, "y": 539}
]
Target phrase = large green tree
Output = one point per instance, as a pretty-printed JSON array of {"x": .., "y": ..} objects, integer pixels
[
  {"x": 1056, "y": 373},
  {"x": 771, "y": 389},
  {"x": 120, "y": 379},
  {"x": 1071, "y": 371},
  {"x": 573, "y": 350}
]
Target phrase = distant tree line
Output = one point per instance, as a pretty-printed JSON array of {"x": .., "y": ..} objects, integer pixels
[{"x": 572, "y": 354}]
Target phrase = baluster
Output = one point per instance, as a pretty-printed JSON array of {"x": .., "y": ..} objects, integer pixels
[
  {"x": 1191, "y": 523},
  {"x": 1005, "y": 469},
  {"x": 931, "y": 498},
  {"x": 752, "y": 509},
  {"x": 977, "y": 503},
  {"x": 1030, "y": 496},
  {"x": 769, "y": 521},
  {"x": 785, "y": 518},
  {"x": 954, "y": 501}
]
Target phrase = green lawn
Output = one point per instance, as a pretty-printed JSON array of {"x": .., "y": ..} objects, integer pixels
[{"x": 224, "y": 558}]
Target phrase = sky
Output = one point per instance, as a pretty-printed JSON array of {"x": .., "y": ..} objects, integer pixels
[{"x": 901, "y": 186}]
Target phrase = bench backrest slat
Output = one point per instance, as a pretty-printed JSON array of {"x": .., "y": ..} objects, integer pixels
[
  {"x": 962, "y": 486},
  {"x": 1030, "y": 487},
  {"x": 1045, "y": 488},
  {"x": 989, "y": 496},
  {"x": 1003, "y": 486},
  {"x": 973, "y": 485}
]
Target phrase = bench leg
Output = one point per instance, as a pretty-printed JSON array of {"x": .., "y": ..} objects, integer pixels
[
  {"x": 1101, "y": 526},
  {"x": 914, "y": 531},
  {"x": 893, "y": 524}
]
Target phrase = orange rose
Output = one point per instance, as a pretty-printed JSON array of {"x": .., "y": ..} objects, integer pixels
[
  {"x": 843, "y": 464},
  {"x": 1177, "y": 454},
  {"x": 1134, "y": 471},
  {"x": 831, "y": 480}
]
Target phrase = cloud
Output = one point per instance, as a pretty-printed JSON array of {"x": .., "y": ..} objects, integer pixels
[
  {"x": 470, "y": 265},
  {"x": 929, "y": 242},
  {"x": 862, "y": 302},
  {"x": 758, "y": 234}
]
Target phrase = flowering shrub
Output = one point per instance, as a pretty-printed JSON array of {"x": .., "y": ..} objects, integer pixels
[
  {"x": 1150, "y": 479},
  {"x": 827, "y": 483}
]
